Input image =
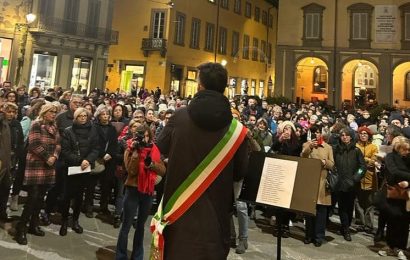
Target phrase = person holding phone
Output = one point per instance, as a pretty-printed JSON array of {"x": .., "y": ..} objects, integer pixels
[{"x": 317, "y": 148}]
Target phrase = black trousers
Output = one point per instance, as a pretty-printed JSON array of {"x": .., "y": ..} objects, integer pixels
[
  {"x": 55, "y": 193},
  {"x": 346, "y": 206},
  {"x": 5, "y": 183},
  {"x": 397, "y": 232},
  {"x": 316, "y": 225},
  {"x": 75, "y": 186},
  {"x": 19, "y": 174},
  {"x": 33, "y": 205}
]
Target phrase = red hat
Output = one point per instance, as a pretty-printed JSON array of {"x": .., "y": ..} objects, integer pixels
[{"x": 366, "y": 129}]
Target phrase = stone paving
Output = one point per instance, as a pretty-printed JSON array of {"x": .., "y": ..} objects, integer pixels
[{"x": 99, "y": 239}]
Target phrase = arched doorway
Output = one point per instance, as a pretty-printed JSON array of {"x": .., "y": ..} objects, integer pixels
[
  {"x": 401, "y": 85},
  {"x": 311, "y": 80},
  {"x": 360, "y": 81}
]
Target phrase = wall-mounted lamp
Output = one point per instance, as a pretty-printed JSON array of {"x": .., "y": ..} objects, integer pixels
[
  {"x": 224, "y": 62},
  {"x": 30, "y": 18}
]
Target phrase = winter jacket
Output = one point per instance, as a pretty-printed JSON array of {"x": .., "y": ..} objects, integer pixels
[
  {"x": 322, "y": 152},
  {"x": 369, "y": 151},
  {"x": 349, "y": 162},
  {"x": 203, "y": 232},
  {"x": 43, "y": 142},
  {"x": 397, "y": 168},
  {"x": 5, "y": 147},
  {"x": 79, "y": 142}
]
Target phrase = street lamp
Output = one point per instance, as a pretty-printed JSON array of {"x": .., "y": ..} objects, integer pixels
[
  {"x": 224, "y": 62},
  {"x": 217, "y": 27},
  {"x": 23, "y": 28}
]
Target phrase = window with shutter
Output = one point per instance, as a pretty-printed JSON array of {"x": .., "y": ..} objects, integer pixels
[
  {"x": 235, "y": 44},
  {"x": 209, "y": 39},
  {"x": 195, "y": 33},
  {"x": 179, "y": 29},
  {"x": 245, "y": 50},
  {"x": 407, "y": 27},
  {"x": 312, "y": 27},
  {"x": 360, "y": 25}
]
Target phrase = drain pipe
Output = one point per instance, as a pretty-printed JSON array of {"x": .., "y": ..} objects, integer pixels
[{"x": 334, "y": 57}]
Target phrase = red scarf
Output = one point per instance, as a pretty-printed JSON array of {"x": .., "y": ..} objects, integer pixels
[{"x": 146, "y": 177}]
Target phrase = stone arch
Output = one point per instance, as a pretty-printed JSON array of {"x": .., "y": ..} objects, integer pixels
[
  {"x": 311, "y": 79},
  {"x": 359, "y": 81}
]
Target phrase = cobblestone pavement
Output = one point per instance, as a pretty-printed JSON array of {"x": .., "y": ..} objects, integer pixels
[{"x": 99, "y": 239}]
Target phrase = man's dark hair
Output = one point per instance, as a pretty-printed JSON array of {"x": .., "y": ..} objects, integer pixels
[{"x": 213, "y": 76}]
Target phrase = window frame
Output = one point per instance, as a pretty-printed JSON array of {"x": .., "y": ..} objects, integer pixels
[
  {"x": 245, "y": 48},
  {"x": 255, "y": 48},
  {"x": 405, "y": 26},
  {"x": 212, "y": 40},
  {"x": 153, "y": 33},
  {"x": 224, "y": 4},
  {"x": 222, "y": 41},
  {"x": 257, "y": 15},
  {"x": 355, "y": 9},
  {"x": 263, "y": 51},
  {"x": 248, "y": 9},
  {"x": 195, "y": 35},
  {"x": 407, "y": 86},
  {"x": 179, "y": 31},
  {"x": 235, "y": 51},
  {"x": 314, "y": 11},
  {"x": 237, "y": 9}
]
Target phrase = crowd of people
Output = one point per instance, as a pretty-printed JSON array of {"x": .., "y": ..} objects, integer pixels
[{"x": 58, "y": 146}]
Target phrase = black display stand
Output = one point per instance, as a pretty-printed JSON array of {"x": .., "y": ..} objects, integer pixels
[{"x": 304, "y": 194}]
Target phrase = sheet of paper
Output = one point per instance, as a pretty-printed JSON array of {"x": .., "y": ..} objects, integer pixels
[
  {"x": 277, "y": 182},
  {"x": 77, "y": 170}
]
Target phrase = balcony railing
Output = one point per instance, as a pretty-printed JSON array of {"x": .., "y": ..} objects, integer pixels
[
  {"x": 53, "y": 24},
  {"x": 154, "y": 44}
]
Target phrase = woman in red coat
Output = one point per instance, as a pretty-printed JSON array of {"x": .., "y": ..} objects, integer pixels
[{"x": 43, "y": 150}]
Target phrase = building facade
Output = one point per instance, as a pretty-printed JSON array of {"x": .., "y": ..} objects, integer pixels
[
  {"x": 66, "y": 44},
  {"x": 162, "y": 43},
  {"x": 344, "y": 51}
]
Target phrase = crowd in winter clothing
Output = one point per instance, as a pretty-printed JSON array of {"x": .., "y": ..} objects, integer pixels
[{"x": 43, "y": 136}]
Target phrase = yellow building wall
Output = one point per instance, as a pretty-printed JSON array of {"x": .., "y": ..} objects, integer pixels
[
  {"x": 291, "y": 22},
  {"x": 157, "y": 68},
  {"x": 133, "y": 21},
  {"x": 399, "y": 75}
]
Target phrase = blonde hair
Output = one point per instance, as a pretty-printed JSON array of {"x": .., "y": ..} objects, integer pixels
[
  {"x": 400, "y": 142},
  {"x": 79, "y": 111},
  {"x": 44, "y": 109}
]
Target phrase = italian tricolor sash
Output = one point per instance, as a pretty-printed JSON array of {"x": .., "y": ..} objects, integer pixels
[{"x": 196, "y": 184}]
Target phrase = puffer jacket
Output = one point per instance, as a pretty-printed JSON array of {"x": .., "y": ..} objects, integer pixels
[
  {"x": 79, "y": 142},
  {"x": 349, "y": 161}
]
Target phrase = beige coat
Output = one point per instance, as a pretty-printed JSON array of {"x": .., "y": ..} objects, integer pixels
[{"x": 322, "y": 152}]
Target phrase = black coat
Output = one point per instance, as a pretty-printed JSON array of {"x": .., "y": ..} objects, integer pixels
[
  {"x": 397, "y": 168},
  {"x": 17, "y": 141},
  {"x": 107, "y": 138},
  {"x": 79, "y": 142},
  {"x": 203, "y": 232},
  {"x": 64, "y": 120},
  {"x": 348, "y": 160}
]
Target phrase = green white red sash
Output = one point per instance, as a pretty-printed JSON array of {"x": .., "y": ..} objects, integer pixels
[{"x": 196, "y": 184}]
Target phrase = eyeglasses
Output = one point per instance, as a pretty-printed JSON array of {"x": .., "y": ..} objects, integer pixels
[{"x": 138, "y": 116}]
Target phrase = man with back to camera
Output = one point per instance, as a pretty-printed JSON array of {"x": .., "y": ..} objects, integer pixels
[{"x": 203, "y": 230}]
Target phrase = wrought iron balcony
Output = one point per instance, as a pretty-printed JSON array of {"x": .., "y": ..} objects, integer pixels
[
  {"x": 74, "y": 28},
  {"x": 154, "y": 44}
]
